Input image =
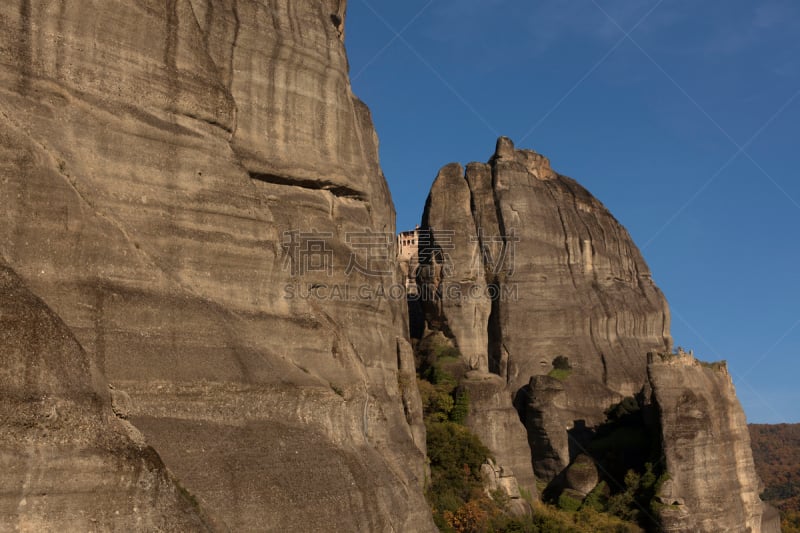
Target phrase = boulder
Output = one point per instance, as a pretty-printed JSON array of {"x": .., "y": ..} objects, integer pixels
[{"x": 582, "y": 475}]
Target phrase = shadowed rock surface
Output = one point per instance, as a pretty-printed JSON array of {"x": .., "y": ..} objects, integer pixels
[
  {"x": 158, "y": 161},
  {"x": 543, "y": 403},
  {"x": 582, "y": 476},
  {"x": 69, "y": 464},
  {"x": 713, "y": 484}
]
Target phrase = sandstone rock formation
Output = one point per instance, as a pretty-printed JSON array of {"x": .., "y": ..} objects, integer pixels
[
  {"x": 542, "y": 289},
  {"x": 713, "y": 485},
  {"x": 577, "y": 285},
  {"x": 175, "y": 177},
  {"x": 526, "y": 265},
  {"x": 193, "y": 194},
  {"x": 456, "y": 271},
  {"x": 68, "y": 463}
]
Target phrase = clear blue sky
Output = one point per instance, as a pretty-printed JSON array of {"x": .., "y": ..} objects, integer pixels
[{"x": 688, "y": 130}]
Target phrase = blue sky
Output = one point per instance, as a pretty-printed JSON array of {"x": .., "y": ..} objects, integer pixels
[{"x": 683, "y": 117}]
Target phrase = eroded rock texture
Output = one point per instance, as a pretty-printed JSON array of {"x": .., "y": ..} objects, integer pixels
[
  {"x": 455, "y": 270},
  {"x": 157, "y": 161},
  {"x": 534, "y": 267},
  {"x": 68, "y": 463},
  {"x": 495, "y": 421},
  {"x": 713, "y": 485},
  {"x": 525, "y": 265},
  {"x": 584, "y": 290}
]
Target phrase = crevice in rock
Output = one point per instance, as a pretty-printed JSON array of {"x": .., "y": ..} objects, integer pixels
[
  {"x": 495, "y": 345},
  {"x": 500, "y": 222},
  {"x": 171, "y": 45},
  {"x": 498, "y": 364},
  {"x": 25, "y": 31},
  {"x": 25, "y": 46},
  {"x": 340, "y": 191},
  {"x": 210, "y": 122},
  {"x": 236, "y": 29},
  {"x": 586, "y": 225},
  {"x": 605, "y": 368},
  {"x": 208, "y": 21},
  {"x": 337, "y": 18}
]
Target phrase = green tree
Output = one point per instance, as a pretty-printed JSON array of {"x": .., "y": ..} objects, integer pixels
[{"x": 561, "y": 362}]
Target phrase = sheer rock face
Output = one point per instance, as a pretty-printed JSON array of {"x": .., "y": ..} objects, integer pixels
[
  {"x": 571, "y": 280},
  {"x": 60, "y": 444},
  {"x": 155, "y": 159},
  {"x": 713, "y": 485},
  {"x": 584, "y": 290},
  {"x": 560, "y": 277},
  {"x": 456, "y": 270}
]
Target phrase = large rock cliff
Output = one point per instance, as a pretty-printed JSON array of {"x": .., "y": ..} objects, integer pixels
[
  {"x": 712, "y": 483},
  {"x": 553, "y": 307},
  {"x": 175, "y": 175},
  {"x": 526, "y": 266}
]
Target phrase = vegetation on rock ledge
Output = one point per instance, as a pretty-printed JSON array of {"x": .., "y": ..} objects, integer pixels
[
  {"x": 561, "y": 368},
  {"x": 455, "y": 491}
]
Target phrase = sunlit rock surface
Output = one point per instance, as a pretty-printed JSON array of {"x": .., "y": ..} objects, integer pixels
[
  {"x": 68, "y": 463},
  {"x": 526, "y": 265},
  {"x": 158, "y": 161},
  {"x": 712, "y": 483}
]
